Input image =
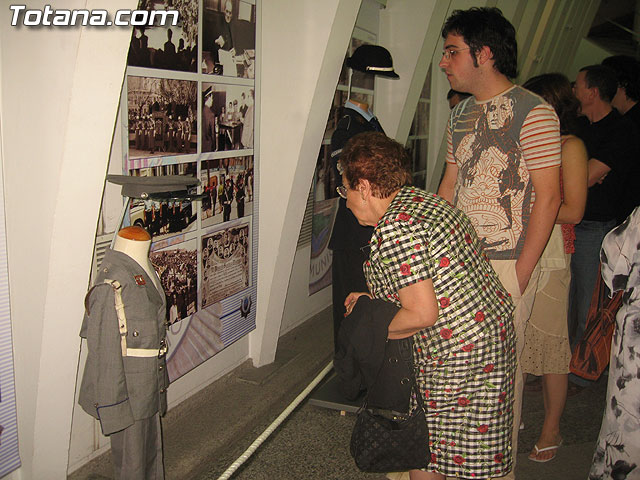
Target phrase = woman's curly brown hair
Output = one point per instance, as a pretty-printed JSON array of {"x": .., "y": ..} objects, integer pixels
[{"x": 375, "y": 157}]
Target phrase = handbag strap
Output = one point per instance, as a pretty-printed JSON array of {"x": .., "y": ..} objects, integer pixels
[
  {"x": 405, "y": 346},
  {"x": 406, "y": 353},
  {"x": 602, "y": 309}
]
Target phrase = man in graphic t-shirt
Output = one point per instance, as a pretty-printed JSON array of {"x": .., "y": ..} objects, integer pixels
[{"x": 503, "y": 158}]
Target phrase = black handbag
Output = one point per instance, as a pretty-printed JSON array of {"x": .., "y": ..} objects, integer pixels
[{"x": 389, "y": 441}]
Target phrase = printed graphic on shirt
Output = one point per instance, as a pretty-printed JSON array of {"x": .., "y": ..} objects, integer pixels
[
  {"x": 488, "y": 153},
  {"x": 494, "y": 145}
]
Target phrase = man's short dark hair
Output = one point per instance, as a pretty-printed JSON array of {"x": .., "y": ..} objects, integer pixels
[
  {"x": 627, "y": 71},
  {"x": 603, "y": 78},
  {"x": 486, "y": 27}
]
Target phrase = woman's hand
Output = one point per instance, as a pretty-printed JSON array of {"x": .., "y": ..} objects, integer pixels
[
  {"x": 523, "y": 274},
  {"x": 351, "y": 300}
]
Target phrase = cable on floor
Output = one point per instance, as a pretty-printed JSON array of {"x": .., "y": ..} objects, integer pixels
[{"x": 276, "y": 423}]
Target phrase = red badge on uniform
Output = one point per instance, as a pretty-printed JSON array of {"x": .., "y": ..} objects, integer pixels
[{"x": 139, "y": 280}]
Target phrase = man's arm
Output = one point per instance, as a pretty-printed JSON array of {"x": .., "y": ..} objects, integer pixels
[
  {"x": 597, "y": 171},
  {"x": 541, "y": 148},
  {"x": 546, "y": 184},
  {"x": 448, "y": 182}
]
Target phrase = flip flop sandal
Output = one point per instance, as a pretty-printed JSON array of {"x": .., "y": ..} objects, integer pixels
[{"x": 546, "y": 449}]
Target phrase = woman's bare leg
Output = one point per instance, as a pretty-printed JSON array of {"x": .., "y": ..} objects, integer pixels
[{"x": 554, "y": 391}]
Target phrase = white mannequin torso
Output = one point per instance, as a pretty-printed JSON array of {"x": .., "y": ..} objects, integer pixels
[{"x": 138, "y": 250}]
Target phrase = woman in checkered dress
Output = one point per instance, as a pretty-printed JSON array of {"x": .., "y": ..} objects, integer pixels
[{"x": 426, "y": 258}]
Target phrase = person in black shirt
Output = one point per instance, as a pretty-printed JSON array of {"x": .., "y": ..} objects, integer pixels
[
  {"x": 612, "y": 146},
  {"x": 627, "y": 70},
  {"x": 625, "y": 101}
]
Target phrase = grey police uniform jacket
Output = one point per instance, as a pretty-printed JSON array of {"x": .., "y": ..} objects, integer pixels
[{"x": 122, "y": 382}]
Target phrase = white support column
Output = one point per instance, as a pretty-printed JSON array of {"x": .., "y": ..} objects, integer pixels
[
  {"x": 97, "y": 81},
  {"x": 303, "y": 47},
  {"x": 409, "y": 30}
]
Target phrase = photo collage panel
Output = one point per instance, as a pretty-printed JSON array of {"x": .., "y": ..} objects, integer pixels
[{"x": 188, "y": 109}]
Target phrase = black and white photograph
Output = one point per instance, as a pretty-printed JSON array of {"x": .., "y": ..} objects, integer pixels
[
  {"x": 225, "y": 263},
  {"x": 227, "y": 185},
  {"x": 227, "y": 117},
  {"x": 229, "y": 38},
  {"x": 171, "y": 47},
  {"x": 161, "y": 117},
  {"x": 177, "y": 267},
  {"x": 163, "y": 219}
]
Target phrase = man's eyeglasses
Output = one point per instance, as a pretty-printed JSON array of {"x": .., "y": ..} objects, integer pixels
[
  {"x": 451, "y": 52},
  {"x": 342, "y": 191}
]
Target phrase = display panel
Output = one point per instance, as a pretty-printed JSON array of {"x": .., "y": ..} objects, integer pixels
[{"x": 188, "y": 109}]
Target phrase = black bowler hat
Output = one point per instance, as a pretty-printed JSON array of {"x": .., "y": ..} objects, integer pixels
[
  {"x": 207, "y": 92},
  {"x": 372, "y": 59}
]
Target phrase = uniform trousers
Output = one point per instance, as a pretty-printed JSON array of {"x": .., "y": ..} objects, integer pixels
[{"x": 136, "y": 451}]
